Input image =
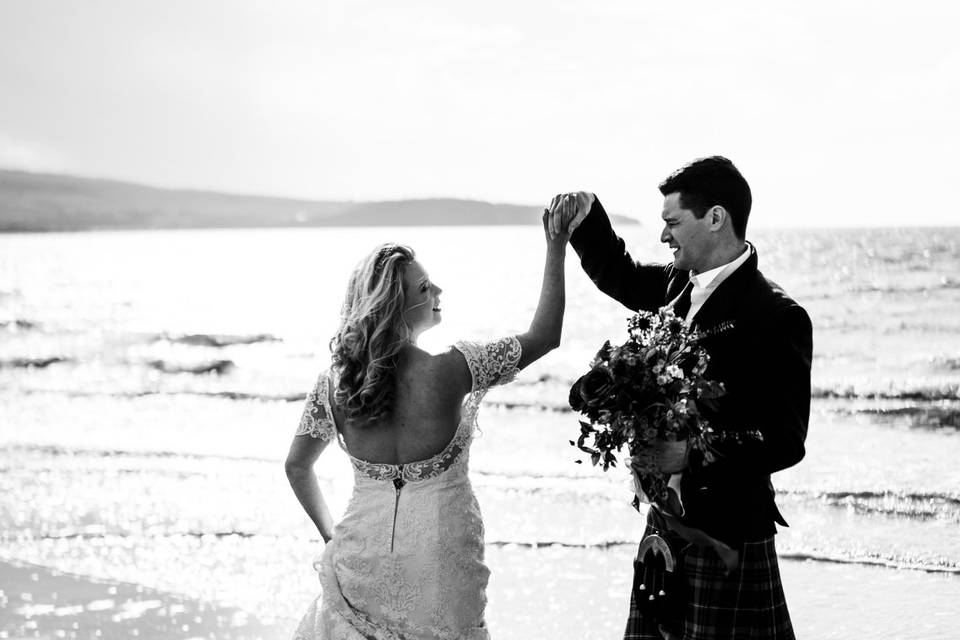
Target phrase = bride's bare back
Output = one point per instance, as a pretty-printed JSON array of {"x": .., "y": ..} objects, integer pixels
[{"x": 428, "y": 395}]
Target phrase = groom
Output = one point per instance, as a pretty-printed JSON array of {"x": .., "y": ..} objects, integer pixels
[{"x": 760, "y": 346}]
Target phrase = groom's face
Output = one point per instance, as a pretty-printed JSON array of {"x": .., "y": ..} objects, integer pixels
[{"x": 687, "y": 235}]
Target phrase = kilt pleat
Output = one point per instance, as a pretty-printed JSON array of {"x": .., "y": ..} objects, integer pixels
[{"x": 749, "y": 603}]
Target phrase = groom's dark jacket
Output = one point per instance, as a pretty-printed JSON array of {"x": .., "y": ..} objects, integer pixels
[{"x": 760, "y": 346}]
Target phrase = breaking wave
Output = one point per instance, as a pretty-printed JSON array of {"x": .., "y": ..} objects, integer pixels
[
  {"x": 218, "y": 367},
  {"x": 217, "y": 340},
  {"x": 33, "y": 363},
  {"x": 18, "y": 325}
]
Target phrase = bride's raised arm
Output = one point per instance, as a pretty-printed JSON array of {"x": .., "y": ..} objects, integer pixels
[
  {"x": 544, "y": 333},
  {"x": 476, "y": 366}
]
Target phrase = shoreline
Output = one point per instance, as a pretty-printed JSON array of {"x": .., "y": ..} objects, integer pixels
[{"x": 555, "y": 592}]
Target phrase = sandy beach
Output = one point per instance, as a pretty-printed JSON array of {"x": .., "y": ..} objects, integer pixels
[
  {"x": 535, "y": 593},
  {"x": 39, "y": 602}
]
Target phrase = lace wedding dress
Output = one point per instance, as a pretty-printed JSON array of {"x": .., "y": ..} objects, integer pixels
[{"x": 406, "y": 560}]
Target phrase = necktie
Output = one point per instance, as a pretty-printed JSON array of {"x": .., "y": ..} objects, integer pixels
[{"x": 682, "y": 306}]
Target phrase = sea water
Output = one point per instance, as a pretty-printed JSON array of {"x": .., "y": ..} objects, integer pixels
[{"x": 150, "y": 383}]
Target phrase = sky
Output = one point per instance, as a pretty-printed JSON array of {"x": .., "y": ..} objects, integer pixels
[{"x": 838, "y": 113}]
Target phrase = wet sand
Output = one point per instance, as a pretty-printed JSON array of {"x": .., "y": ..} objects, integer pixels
[
  {"x": 39, "y": 602},
  {"x": 552, "y": 592}
]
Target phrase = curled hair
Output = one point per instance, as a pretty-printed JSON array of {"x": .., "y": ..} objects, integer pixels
[{"x": 366, "y": 346}]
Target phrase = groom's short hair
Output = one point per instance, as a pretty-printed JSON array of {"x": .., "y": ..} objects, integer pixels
[{"x": 711, "y": 181}]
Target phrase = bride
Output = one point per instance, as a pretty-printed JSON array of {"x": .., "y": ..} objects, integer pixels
[{"x": 406, "y": 560}]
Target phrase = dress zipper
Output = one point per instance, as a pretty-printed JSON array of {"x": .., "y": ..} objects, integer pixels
[{"x": 398, "y": 484}]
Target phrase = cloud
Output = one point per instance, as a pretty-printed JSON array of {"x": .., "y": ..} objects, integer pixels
[{"x": 29, "y": 156}]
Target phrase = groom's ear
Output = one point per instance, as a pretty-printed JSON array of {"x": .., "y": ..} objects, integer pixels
[{"x": 717, "y": 216}]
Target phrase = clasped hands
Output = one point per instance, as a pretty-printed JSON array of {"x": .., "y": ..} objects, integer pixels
[{"x": 566, "y": 212}]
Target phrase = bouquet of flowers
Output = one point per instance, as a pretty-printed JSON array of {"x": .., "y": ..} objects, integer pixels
[{"x": 650, "y": 394}]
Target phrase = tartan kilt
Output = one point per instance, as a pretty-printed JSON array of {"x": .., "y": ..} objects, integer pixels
[{"x": 749, "y": 603}]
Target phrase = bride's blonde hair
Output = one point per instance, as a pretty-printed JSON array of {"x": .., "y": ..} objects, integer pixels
[{"x": 372, "y": 332}]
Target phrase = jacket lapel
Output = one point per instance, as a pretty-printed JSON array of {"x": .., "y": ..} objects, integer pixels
[
  {"x": 677, "y": 281},
  {"x": 719, "y": 306}
]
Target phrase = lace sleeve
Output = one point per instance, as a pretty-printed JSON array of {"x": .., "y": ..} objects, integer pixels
[
  {"x": 317, "y": 418},
  {"x": 491, "y": 363}
]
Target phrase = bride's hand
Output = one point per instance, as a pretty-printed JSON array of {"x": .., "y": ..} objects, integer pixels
[
  {"x": 568, "y": 210},
  {"x": 558, "y": 239}
]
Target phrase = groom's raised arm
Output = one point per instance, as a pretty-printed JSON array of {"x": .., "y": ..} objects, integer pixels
[{"x": 605, "y": 259}]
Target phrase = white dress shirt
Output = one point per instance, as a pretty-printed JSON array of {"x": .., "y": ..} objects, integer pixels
[
  {"x": 703, "y": 285},
  {"x": 706, "y": 283}
]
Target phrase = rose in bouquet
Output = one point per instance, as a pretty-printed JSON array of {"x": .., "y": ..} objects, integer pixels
[{"x": 651, "y": 394}]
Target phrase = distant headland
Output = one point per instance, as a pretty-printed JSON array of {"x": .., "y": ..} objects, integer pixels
[{"x": 49, "y": 202}]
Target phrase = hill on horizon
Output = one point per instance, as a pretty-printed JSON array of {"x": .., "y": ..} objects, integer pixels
[{"x": 52, "y": 202}]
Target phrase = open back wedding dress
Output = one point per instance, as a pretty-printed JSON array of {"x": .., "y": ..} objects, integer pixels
[{"x": 406, "y": 560}]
